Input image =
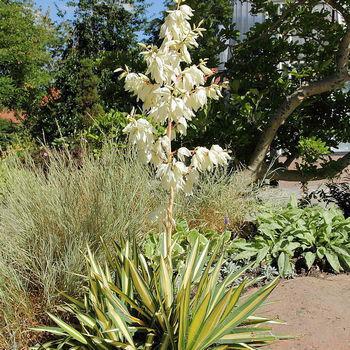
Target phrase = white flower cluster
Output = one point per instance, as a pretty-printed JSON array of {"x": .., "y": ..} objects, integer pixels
[
  {"x": 170, "y": 96},
  {"x": 179, "y": 176}
]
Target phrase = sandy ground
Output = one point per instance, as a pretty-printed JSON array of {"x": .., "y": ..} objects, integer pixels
[{"x": 317, "y": 312}]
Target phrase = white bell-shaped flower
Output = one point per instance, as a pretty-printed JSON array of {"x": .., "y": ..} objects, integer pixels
[
  {"x": 181, "y": 126},
  {"x": 135, "y": 82},
  {"x": 207, "y": 71},
  {"x": 183, "y": 153},
  {"x": 221, "y": 156},
  {"x": 140, "y": 130},
  {"x": 186, "y": 10},
  {"x": 175, "y": 26},
  {"x": 214, "y": 91},
  {"x": 200, "y": 159},
  {"x": 172, "y": 174},
  {"x": 191, "y": 179},
  {"x": 197, "y": 99},
  {"x": 191, "y": 77},
  {"x": 160, "y": 151}
]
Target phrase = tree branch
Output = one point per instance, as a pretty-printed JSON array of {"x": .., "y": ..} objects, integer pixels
[
  {"x": 289, "y": 160},
  {"x": 293, "y": 101},
  {"x": 328, "y": 170}
]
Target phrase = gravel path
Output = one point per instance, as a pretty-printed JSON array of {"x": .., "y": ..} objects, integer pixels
[{"x": 316, "y": 310}]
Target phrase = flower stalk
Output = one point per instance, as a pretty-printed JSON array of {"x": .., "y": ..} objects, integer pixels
[
  {"x": 170, "y": 208},
  {"x": 171, "y": 91}
]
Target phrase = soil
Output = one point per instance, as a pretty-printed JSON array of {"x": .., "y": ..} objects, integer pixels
[{"x": 316, "y": 311}]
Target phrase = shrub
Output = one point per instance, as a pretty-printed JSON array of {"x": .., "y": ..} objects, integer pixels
[
  {"x": 7, "y": 133},
  {"x": 184, "y": 240},
  {"x": 105, "y": 128},
  {"x": 313, "y": 234},
  {"x": 139, "y": 307}
]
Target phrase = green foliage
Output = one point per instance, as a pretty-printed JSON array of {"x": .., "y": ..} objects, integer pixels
[
  {"x": 87, "y": 97},
  {"x": 102, "y": 37},
  {"x": 53, "y": 205},
  {"x": 25, "y": 40},
  {"x": 220, "y": 197},
  {"x": 266, "y": 66},
  {"x": 15, "y": 139},
  {"x": 184, "y": 240},
  {"x": 313, "y": 234},
  {"x": 105, "y": 128},
  {"x": 136, "y": 306},
  {"x": 108, "y": 33},
  {"x": 312, "y": 149},
  {"x": 71, "y": 105},
  {"x": 185, "y": 236},
  {"x": 333, "y": 193},
  {"x": 49, "y": 215},
  {"x": 7, "y": 133}
]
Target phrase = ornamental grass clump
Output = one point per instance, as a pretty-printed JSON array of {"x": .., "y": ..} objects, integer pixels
[{"x": 142, "y": 305}]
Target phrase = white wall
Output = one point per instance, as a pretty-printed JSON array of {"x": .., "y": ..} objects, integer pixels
[{"x": 243, "y": 18}]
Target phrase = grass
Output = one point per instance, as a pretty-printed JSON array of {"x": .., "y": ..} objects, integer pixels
[
  {"x": 49, "y": 214},
  {"x": 220, "y": 196}
]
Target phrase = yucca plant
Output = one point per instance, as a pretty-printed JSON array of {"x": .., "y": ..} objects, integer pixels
[{"x": 138, "y": 307}]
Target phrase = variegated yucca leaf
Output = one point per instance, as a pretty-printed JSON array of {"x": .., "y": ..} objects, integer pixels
[{"x": 131, "y": 304}]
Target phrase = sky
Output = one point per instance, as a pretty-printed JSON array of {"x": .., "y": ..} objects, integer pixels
[{"x": 152, "y": 11}]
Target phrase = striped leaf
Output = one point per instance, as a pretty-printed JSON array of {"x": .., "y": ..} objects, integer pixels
[
  {"x": 141, "y": 287},
  {"x": 69, "y": 330}
]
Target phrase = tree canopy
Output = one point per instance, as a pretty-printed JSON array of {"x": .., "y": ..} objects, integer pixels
[
  {"x": 288, "y": 77},
  {"x": 101, "y": 37},
  {"x": 26, "y": 37},
  {"x": 288, "y": 80}
]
